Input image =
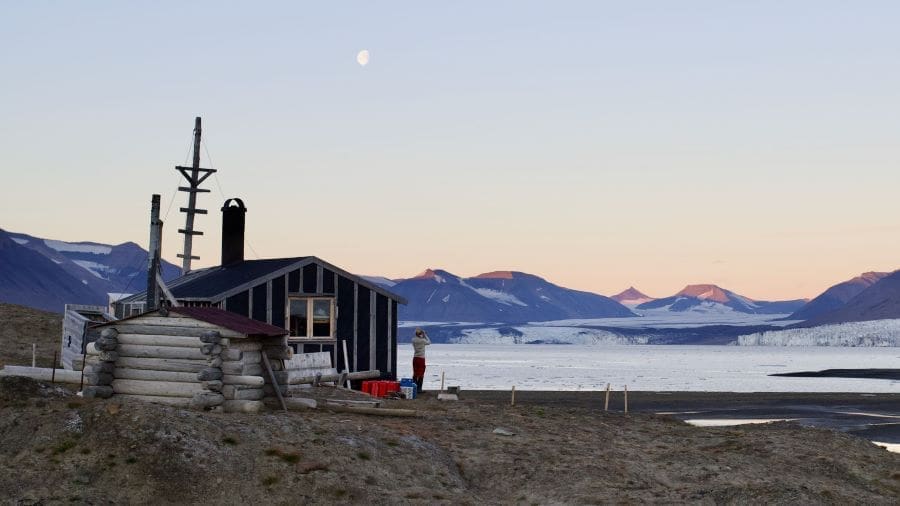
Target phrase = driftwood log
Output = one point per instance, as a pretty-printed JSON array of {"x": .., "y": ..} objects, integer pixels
[{"x": 372, "y": 411}]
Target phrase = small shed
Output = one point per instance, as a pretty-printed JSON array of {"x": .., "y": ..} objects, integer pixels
[
  {"x": 187, "y": 356},
  {"x": 321, "y": 307}
]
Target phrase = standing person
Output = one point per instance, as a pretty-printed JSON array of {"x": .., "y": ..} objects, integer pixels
[{"x": 419, "y": 342}]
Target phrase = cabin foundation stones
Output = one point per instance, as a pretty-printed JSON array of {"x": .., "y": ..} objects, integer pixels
[
  {"x": 100, "y": 365},
  {"x": 211, "y": 377}
]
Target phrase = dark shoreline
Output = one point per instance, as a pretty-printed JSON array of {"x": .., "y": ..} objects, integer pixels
[
  {"x": 871, "y": 416},
  {"x": 888, "y": 374}
]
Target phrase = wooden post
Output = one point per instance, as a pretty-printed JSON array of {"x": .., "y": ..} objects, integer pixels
[
  {"x": 53, "y": 374},
  {"x": 33, "y": 355},
  {"x": 265, "y": 359},
  {"x": 194, "y": 178},
  {"x": 626, "y": 398},
  {"x": 442, "y": 381},
  {"x": 512, "y": 400},
  {"x": 606, "y": 403},
  {"x": 153, "y": 254},
  {"x": 346, "y": 362}
]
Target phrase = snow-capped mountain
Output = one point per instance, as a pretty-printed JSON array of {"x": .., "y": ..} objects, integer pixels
[
  {"x": 878, "y": 302},
  {"x": 711, "y": 298},
  {"x": 838, "y": 295},
  {"x": 30, "y": 279},
  {"x": 503, "y": 296},
  {"x": 631, "y": 297},
  {"x": 90, "y": 271}
]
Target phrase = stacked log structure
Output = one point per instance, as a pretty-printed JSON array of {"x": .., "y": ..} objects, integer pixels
[{"x": 181, "y": 361}]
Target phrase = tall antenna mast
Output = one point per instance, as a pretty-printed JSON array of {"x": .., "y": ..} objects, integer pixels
[{"x": 194, "y": 175}]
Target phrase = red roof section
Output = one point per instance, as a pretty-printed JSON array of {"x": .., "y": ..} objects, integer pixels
[{"x": 231, "y": 321}]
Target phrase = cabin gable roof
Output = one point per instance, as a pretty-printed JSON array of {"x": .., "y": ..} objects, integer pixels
[{"x": 214, "y": 284}]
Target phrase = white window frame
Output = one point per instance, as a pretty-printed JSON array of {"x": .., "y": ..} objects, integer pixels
[{"x": 309, "y": 318}]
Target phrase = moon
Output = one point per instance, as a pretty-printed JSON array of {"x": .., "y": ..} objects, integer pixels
[{"x": 362, "y": 57}]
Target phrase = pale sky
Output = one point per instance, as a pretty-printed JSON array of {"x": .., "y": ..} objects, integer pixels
[{"x": 597, "y": 144}]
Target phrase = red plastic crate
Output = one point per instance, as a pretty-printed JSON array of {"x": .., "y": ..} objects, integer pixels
[{"x": 380, "y": 388}]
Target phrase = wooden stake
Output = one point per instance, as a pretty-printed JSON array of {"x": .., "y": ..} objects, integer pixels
[
  {"x": 265, "y": 359},
  {"x": 606, "y": 403},
  {"x": 346, "y": 364},
  {"x": 53, "y": 374},
  {"x": 33, "y": 355},
  {"x": 626, "y": 398},
  {"x": 442, "y": 381},
  {"x": 512, "y": 401}
]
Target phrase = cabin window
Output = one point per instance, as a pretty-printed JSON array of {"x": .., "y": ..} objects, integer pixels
[{"x": 311, "y": 317}]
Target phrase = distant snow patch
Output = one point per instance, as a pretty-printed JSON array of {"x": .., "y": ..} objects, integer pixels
[
  {"x": 61, "y": 246},
  {"x": 98, "y": 270},
  {"x": 501, "y": 297},
  {"x": 19, "y": 240}
]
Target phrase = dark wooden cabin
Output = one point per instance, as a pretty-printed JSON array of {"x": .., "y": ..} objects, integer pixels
[{"x": 321, "y": 305}]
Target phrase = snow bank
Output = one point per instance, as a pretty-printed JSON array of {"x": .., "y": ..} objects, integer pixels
[{"x": 871, "y": 333}]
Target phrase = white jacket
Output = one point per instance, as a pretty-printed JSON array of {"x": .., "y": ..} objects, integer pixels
[{"x": 419, "y": 344}]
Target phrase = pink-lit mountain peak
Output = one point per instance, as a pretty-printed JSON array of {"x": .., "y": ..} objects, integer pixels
[
  {"x": 705, "y": 292},
  {"x": 426, "y": 274},
  {"x": 495, "y": 275},
  {"x": 871, "y": 277},
  {"x": 632, "y": 295}
]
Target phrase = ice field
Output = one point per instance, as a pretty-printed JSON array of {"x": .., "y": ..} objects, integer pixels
[{"x": 649, "y": 367}]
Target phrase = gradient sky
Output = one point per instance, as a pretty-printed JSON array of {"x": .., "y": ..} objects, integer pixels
[{"x": 597, "y": 144}]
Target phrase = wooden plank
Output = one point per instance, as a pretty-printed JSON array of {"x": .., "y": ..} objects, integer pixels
[
  {"x": 309, "y": 361},
  {"x": 298, "y": 378}
]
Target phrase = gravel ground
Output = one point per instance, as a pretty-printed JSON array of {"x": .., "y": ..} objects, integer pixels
[{"x": 57, "y": 447}]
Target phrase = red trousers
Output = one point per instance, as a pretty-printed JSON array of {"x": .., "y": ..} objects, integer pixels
[{"x": 418, "y": 367}]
